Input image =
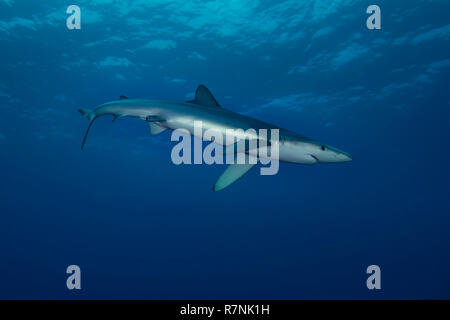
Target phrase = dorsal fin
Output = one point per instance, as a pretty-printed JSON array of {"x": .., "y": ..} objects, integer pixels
[
  {"x": 123, "y": 98},
  {"x": 204, "y": 97}
]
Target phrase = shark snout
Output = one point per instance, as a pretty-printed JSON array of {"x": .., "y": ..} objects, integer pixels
[
  {"x": 335, "y": 155},
  {"x": 343, "y": 157},
  {"x": 328, "y": 154}
]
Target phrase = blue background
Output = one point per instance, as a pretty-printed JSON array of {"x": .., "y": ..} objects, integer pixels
[{"x": 141, "y": 227}]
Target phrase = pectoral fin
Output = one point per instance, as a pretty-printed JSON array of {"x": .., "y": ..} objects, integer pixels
[
  {"x": 155, "y": 127},
  {"x": 231, "y": 174}
]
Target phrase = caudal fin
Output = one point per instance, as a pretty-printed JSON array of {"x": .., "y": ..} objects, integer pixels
[{"x": 91, "y": 116}]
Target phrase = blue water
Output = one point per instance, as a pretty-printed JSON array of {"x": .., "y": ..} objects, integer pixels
[{"x": 140, "y": 227}]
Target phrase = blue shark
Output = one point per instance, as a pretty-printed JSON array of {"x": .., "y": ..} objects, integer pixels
[{"x": 164, "y": 115}]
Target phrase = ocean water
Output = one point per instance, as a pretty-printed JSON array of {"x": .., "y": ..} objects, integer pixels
[{"x": 141, "y": 227}]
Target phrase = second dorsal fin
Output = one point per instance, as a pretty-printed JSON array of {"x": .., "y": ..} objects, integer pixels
[{"x": 204, "y": 97}]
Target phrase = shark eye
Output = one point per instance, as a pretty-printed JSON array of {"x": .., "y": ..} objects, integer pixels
[{"x": 323, "y": 148}]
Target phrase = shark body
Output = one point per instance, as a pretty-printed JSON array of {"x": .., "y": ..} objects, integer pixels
[{"x": 162, "y": 115}]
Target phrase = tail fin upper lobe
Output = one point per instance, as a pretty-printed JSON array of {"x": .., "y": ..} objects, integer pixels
[{"x": 91, "y": 116}]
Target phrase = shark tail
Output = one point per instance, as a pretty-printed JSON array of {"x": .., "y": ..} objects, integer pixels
[{"x": 89, "y": 114}]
